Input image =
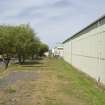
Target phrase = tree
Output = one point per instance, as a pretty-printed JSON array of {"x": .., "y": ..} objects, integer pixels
[
  {"x": 34, "y": 47},
  {"x": 42, "y": 49},
  {"x": 19, "y": 41},
  {"x": 7, "y": 48},
  {"x": 26, "y": 42}
]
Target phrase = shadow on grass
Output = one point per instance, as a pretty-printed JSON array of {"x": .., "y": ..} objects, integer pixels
[
  {"x": 33, "y": 66},
  {"x": 31, "y": 63}
]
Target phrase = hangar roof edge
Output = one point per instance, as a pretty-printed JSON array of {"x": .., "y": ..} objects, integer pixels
[{"x": 76, "y": 34}]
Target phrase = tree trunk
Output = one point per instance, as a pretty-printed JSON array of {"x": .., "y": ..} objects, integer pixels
[
  {"x": 19, "y": 59},
  {"x": 23, "y": 59},
  {"x": 6, "y": 63},
  {"x": 32, "y": 56},
  {"x": 6, "y": 60}
]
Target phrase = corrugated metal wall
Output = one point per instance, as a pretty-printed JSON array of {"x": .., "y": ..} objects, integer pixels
[{"x": 87, "y": 52}]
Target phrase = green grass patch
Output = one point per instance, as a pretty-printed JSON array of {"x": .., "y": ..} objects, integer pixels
[
  {"x": 80, "y": 85},
  {"x": 11, "y": 89},
  {"x": 58, "y": 84}
]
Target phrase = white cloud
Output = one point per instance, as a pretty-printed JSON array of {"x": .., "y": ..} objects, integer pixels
[{"x": 53, "y": 20}]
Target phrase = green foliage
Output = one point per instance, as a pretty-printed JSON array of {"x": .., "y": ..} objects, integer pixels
[
  {"x": 43, "y": 48},
  {"x": 19, "y": 41},
  {"x": 11, "y": 89},
  {"x": 6, "y": 40}
]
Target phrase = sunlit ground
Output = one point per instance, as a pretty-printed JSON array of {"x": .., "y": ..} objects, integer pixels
[{"x": 48, "y": 82}]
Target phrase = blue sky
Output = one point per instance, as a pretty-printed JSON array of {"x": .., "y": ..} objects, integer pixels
[{"x": 53, "y": 20}]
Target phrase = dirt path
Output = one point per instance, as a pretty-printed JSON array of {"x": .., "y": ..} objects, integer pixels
[
  {"x": 48, "y": 82},
  {"x": 15, "y": 76},
  {"x": 23, "y": 87}
]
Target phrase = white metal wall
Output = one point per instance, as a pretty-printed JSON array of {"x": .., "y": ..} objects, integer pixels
[
  {"x": 67, "y": 52},
  {"x": 87, "y": 53}
]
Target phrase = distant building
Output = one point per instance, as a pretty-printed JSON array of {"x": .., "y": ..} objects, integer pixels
[
  {"x": 58, "y": 50},
  {"x": 46, "y": 54}
]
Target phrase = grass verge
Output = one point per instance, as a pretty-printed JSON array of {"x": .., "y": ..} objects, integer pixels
[{"x": 58, "y": 84}]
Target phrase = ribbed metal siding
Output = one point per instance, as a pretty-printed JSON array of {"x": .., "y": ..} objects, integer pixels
[{"x": 87, "y": 52}]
